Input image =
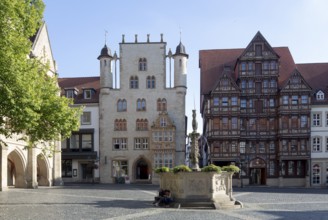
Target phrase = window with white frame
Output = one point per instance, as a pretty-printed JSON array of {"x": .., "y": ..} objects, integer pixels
[
  {"x": 316, "y": 144},
  {"x": 163, "y": 159},
  {"x": 320, "y": 95},
  {"x": 86, "y": 118},
  {"x": 141, "y": 143},
  {"x": 316, "y": 120},
  {"x": 69, "y": 93},
  {"x": 119, "y": 143},
  {"x": 87, "y": 93},
  {"x": 316, "y": 174}
]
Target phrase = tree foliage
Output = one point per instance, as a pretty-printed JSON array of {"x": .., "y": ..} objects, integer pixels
[{"x": 29, "y": 97}]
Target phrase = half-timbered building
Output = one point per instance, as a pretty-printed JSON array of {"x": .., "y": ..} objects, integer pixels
[{"x": 256, "y": 109}]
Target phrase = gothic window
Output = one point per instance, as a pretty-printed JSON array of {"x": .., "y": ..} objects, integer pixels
[
  {"x": 134, "y": 81},
  {"x": 161, "y": 104},
  {"x": 142, "y": 64},
  {"x": 120, "y": 125},
  {"x": 151, "y": 82},
  {"x": 141, "y": 105},
  {"x": 142, "y": 125},
  {"x": 316, "y": 144},
  {"x": 121, "y": 105}
]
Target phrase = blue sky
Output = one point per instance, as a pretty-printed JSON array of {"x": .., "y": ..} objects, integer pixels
[{"x": 77, "y": 27}]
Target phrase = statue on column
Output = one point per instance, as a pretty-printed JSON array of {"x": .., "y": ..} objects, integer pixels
[{"x": 194, "y": 154}]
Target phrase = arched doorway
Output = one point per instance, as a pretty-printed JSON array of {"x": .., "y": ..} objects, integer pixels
[
  {"x": 15, "y": 170},
  {"x": 257, "y": 172},
  {"x": 142, "y": 170},
  {"x": 42, "y": 171}
]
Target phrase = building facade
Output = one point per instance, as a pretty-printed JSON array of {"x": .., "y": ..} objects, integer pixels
[
  {"x": 30, "y": 168},
  {"x": 80, "y": 152},
  {"x": 141, "y": 117},
  {"x": 316, "y": 74},
  {"x": 256, "y": 109}
]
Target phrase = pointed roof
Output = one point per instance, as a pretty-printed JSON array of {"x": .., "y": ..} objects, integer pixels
[
  {"x": 258, "y": 38},
  {"x": 212, "y": 62},
  {"x": 105, "y": 52},
  {"x": 181, "y": 50}
]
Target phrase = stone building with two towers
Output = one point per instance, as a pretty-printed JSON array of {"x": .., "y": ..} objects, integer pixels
[{"x": 142, "y": 119}]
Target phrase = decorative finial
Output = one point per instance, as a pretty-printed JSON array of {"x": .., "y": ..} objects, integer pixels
[
  {"x": 106, "y": 32},
  {"x": 180, "y": 33}
]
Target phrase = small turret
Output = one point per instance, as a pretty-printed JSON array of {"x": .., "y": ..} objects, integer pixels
[
  {"x": 180, "y": 66},
  {"x": 106, "y": 76}
]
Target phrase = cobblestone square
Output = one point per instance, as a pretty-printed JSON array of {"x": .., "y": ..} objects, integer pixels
[{"x": 110, "y": 201}]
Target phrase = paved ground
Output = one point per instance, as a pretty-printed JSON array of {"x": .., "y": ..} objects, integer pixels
[{"x": 135, "y": 202}]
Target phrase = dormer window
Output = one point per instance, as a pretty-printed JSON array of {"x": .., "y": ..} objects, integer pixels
[
  {"x": 71, "y": 93},
  {"x": 320, "y": 95},
  {"x": 87, "y": 94}
]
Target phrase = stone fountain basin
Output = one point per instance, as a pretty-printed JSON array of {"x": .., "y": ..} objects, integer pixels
[{"x": 200, "y": 189}]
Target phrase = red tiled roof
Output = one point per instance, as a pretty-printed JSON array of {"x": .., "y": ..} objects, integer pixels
[
  {"x": 212, "y": 62},
  {"x": 316, "y": 74},
  {"x": 81, "y": 83}
]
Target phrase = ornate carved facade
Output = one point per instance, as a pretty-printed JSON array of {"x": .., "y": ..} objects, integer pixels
[{"x": 256, "y": 108}]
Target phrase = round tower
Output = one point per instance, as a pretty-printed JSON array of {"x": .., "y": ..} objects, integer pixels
[
  {"x": 106, "y": 76},
  {"x": 180, "y": 66}
]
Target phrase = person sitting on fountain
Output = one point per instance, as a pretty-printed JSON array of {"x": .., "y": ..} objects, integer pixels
[
  {"x": 166, "y": 199},
  {"x": 160, "y": 195}
]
